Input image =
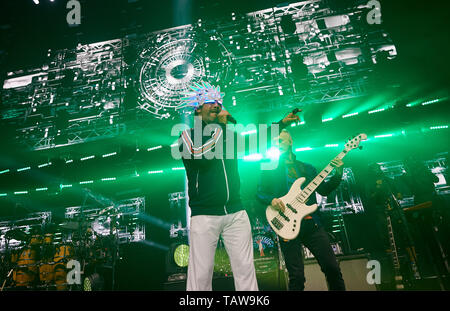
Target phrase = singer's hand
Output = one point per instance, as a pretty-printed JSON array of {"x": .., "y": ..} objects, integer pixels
[
  {"x": 223, "y": 116},
  {"x": 291, "y": 118}
]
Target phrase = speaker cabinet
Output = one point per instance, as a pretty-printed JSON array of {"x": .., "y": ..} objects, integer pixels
[{"x": 354, "y": 271}]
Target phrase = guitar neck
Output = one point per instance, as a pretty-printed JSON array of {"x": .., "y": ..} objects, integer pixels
[{"x": 312, "y": 186}]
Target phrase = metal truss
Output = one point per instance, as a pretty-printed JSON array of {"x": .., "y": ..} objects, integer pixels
[
  {"x": 125, "y": 213},
  {"x": 81, "y": 131},
  {"x": 255, "y": 57},
  {"x": 345, "y": 199},
  {"x": 31, "y": 221}
]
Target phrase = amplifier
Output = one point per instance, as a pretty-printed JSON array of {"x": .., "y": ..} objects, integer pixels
[
  {"x": 354, "y": 271},
  {"x": 335, "y": 246}
]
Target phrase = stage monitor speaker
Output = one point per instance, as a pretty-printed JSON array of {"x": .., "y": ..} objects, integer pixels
[{"x": 354, "y": 271}]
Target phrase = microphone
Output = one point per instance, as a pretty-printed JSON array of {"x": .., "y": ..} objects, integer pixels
[{"x": 231, "y": 119}]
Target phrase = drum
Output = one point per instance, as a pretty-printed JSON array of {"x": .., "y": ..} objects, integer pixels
[
  {"x": 48, "y": 238},
  {"x": 46, "y": 273},
  {"x": 36, "y": 240},
  {"x": 64, "y": 253},
  {"x": 14, "y": 256},
  {"x": 60, "y": 276},
  {"x": 47, "y": 253},
  {"x": 26, "y": 270},
  {"x": 22, "y": 277}
]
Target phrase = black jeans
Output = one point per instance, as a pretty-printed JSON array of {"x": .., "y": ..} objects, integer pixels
[{"x": 315, "y": 238}]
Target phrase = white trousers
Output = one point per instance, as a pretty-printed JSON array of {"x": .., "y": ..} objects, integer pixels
[{"x": 237, "y": 236}]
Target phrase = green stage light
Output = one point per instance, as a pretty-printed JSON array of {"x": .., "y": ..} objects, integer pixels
[
  {"x": 327, "y": 119},
  {"x": 87, "y": 158},
  {"x": 156, "y": 172},
  {"x": 304, "y": 149},
  {"x": 86, "y": 182},
  {"x": 154, "y": 148},
  {"x": 178, "y": 168},
  {"x": 44, "y": 165},
  {"x": 181, "y": 255},
  {"x": 253, "y": 157},
  {"x": 109, "y": 179},
  {"x": 382, "y": 136},
  {"x": 376, "y": 110},
  {"x": 23, "y": 169},
  {"x": 93, "y": 282},
  {"x": 109, "y": 154},
  {"x": 439, "y": 127},
  {"x": 331, "y": 145},
  {"x": 4, "y": 171},
  {"x": 64, "y": 186},
  {"x": 3, "y": 194},
  {"x": 41, "y": 189},
  {"x": 430, "y": 102},
  {"x": 350, "y": 115},
  {"x": 69, "y": 161},
  {"x": 21, "y": 192}
]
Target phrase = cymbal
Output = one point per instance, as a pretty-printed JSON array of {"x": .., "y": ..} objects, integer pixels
[{"x": 17, "y": 234}]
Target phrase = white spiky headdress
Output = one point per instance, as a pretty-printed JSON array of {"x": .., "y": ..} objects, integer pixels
[{"x": 200, "y": 94}]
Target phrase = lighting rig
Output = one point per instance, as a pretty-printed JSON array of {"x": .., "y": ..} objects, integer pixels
[{"x": 303, "y": 52}]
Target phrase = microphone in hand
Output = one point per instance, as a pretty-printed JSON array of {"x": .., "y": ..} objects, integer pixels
[{"x": 231, "y": 119}]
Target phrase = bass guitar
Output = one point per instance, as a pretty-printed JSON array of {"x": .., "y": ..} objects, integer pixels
[{"x": 287, "y": 224}]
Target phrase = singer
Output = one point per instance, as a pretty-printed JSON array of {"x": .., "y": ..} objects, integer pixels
[{"x": 214, "y": 193}]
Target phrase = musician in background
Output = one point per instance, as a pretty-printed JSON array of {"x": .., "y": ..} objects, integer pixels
[
  {"x": 378, "y": 190},
  {"x": 429, "y": 212},
  {"x": 420, "y": 180},
  {"x": 276, "y": 183}
]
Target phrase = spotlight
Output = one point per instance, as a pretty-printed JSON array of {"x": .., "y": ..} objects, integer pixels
[
  {"x": 181, "y": 255},
  {"x": 93, "y": 282}
]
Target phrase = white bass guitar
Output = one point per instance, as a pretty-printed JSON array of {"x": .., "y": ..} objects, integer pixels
[{"x": 287, "y": 224}]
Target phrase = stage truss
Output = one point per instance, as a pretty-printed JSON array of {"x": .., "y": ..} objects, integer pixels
[{"x": 302, "y": 53}]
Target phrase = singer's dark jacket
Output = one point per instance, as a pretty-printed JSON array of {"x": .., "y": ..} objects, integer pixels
[
  {"x": 213, "y": 181},
  {"x": 276, "y": 183}
]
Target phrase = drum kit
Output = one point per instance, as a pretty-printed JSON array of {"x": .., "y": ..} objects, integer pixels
[{"x": 40, "y": 260}]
